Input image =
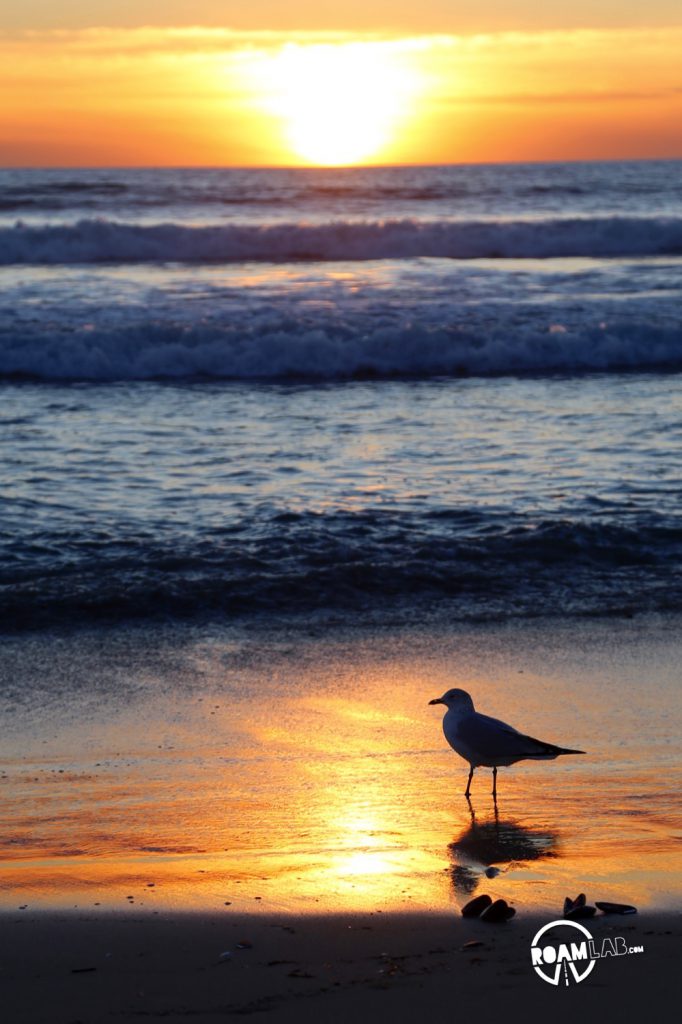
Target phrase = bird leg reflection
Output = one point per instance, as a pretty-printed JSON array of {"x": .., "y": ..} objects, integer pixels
[{"x": 493, "y": 841}]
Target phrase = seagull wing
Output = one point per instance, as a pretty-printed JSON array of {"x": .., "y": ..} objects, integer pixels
[{"x": 495, "y": 742}]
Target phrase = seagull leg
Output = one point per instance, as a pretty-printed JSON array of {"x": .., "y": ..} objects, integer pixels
[
  {"x": 495, "y": 783},
  {"x": 471, "y": 775}
]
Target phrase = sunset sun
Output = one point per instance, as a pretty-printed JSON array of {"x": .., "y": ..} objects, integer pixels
[{"x": 338, "y": 104}]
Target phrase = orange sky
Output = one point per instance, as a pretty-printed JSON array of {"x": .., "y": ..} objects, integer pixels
[{"x": 253, "y": 95}]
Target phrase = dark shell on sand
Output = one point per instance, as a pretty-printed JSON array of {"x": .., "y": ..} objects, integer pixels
[
  {"x": 498, "y": 911},
  {"x": 476, "y": 906},
  {"x": 571, "y": 904},
  {"x": 579, "y": 901},
  {"x": 616, "y": 908},
  {"x": 578, "y": 912}
]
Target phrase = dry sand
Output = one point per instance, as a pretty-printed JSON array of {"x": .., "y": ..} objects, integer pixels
[{"x": 87, "y": 968}]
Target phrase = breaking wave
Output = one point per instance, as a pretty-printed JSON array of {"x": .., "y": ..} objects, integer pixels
[
  {"x": 149, "y": 350},
  {"x": 109, "y": 241}
]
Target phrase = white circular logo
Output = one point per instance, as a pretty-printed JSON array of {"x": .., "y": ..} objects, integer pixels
[{"x": 555, "y": 956}]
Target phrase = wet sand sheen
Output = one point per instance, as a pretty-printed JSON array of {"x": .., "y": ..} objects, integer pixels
[{"x": 304, "y": 772}]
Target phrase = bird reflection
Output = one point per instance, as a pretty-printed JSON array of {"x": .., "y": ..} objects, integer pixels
[{"x": 495, "y": 841}]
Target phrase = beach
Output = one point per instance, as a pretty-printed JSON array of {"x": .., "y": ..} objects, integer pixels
[
  {"x": 288, "y": 454},
  {"x": 191, "y": 769},
  {"x": 175, "y": 967}
]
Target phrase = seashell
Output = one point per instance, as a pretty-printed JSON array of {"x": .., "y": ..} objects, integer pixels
[
  {"x": 475, "y": 907},
  {"x": 570, "y": 904},
  {"x": 580, "y": 911},
  {"x": 616, "y": 908},
  {"x": 497, "y": 911}
]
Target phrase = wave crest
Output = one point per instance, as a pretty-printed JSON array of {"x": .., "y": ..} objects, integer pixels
[
  {"x": 149, "y": 351},
  {"x": 108, "y": 241}
]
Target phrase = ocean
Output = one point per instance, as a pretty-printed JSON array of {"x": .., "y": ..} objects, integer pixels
[{"x": 364, "y": 392}]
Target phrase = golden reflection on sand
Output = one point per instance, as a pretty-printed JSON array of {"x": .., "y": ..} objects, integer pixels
[{"x": 313, "y": 786}]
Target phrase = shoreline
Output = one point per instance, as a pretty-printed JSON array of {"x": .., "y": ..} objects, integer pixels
[{"x": 204, "y": 967}]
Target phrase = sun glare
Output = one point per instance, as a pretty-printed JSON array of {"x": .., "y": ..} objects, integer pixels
[{"x": 338, "y": 104}]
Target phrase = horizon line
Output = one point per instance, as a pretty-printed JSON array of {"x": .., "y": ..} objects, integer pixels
[{"x": 337, "y": 167}]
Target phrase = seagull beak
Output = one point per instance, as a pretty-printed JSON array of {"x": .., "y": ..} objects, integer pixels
[{"x": 437, "y": 701}]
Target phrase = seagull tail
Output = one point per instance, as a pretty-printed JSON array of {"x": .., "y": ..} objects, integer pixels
[{"x": 539, "y": 750}]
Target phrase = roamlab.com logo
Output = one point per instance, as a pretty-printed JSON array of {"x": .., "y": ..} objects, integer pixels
[{"x": 557, "y": 954}]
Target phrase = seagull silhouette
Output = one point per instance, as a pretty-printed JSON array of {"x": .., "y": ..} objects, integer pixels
[{"x": 487, "y": 742}]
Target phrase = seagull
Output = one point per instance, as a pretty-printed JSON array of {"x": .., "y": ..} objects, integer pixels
[{"x": 487, "y": 742}]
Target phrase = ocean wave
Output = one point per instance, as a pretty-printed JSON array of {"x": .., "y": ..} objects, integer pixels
[
  {"x": 109, "y": 241},
  {"x": 475, "y": 563},
  {"x": 287, "y": 348}
]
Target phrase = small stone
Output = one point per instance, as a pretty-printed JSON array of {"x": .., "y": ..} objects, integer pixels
[
  {"x": 491, "y": 872},
  {"x": 475, "y": 907}
]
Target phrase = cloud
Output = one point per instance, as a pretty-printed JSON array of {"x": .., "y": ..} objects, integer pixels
[
  {"x": 568, "y": 97},
  {"x": 202, "y": 39}
]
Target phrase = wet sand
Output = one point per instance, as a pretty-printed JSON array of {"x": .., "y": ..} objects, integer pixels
[
  {"x": 98, "y": 967},
  {"x": 304, "y": 772}
]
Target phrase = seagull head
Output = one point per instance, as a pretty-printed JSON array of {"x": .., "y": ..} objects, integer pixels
[{"x": 455, "y": 700}]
